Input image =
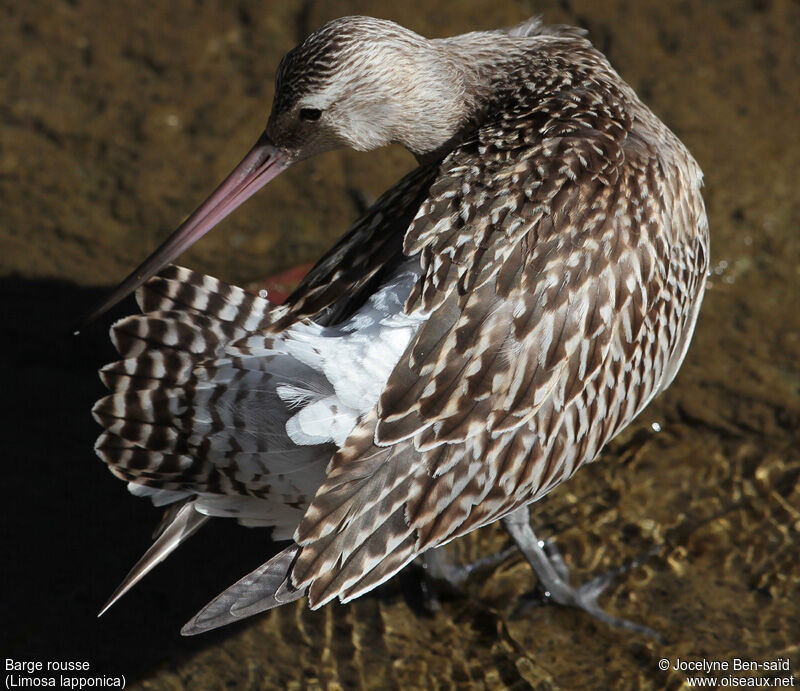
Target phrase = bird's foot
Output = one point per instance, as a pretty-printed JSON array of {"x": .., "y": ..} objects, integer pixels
[{"x": 553, "y": 575}]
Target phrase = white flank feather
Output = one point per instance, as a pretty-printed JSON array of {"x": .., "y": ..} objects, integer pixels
[{"x": 356, "y": 357}]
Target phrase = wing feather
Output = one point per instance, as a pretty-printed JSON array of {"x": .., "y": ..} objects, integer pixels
[{"x": 542, "y": 342}]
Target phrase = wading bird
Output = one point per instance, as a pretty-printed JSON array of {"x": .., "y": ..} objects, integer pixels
[{"x": 481, "y": 332}]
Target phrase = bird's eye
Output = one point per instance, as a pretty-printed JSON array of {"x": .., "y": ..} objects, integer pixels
[{"x": 310, "y": 114}]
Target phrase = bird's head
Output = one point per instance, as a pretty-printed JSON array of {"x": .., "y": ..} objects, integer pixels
[
  {"x": 358, "y": 82},
  {"x": 362, "y": 83}
]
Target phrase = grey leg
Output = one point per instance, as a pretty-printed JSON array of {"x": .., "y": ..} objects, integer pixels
[
  {"x": 438, "y": 567},
  {"x": 554, "y": 576},
  {"x": 438, "y": 570}
]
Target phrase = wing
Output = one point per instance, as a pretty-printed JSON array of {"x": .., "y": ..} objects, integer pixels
[
  {"x": 563, "y": 265},
  {"x": 350, "y": 271}
]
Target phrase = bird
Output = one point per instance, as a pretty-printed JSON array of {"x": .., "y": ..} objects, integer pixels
[{"x": 484, "y": 329}]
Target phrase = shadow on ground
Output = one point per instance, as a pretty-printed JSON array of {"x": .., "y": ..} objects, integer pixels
[{"x": 71, "y": 531}]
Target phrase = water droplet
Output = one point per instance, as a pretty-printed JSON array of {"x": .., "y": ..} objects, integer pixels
[{"x": 173, "y": 121}]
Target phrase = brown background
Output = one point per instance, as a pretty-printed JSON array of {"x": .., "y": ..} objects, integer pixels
[{"x": 117, "y": 118}]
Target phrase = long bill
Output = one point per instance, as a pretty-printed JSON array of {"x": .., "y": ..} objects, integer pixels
[{"x": 261, "y": 164}]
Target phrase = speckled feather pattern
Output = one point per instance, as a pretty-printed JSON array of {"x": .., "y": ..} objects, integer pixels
[
  {"x": 564, "y": 254},
  {"x": 562, "y": 251}
]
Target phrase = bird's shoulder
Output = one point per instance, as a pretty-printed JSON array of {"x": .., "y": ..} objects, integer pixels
[{"x": 544, "y": 159}]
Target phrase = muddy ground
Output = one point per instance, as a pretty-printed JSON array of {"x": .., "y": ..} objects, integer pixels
[{"x": 117, "y": 118}]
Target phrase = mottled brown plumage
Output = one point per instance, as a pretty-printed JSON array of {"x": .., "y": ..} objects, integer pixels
[{"x": 560, "y": 248}]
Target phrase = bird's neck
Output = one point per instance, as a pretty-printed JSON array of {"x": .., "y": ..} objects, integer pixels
[{"x": 461, "y": 76}]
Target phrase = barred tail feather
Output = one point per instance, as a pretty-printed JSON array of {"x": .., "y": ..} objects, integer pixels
[
  {"x": 183, "y": 417},
  {"x": 177, "y": 288},
  {"x": 210, "y": 407},
  {"x": 184, "y": 424}
]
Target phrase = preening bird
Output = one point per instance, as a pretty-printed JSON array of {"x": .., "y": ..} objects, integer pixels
[{"x": 481, "y": 332}]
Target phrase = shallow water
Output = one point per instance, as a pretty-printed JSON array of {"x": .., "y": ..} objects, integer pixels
[{"x": 115, "y": 119}]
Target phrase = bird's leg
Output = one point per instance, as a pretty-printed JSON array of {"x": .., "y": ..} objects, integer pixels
[
  {"x": 438, "y": 569},
  {"x": 554, "y": 576}
]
